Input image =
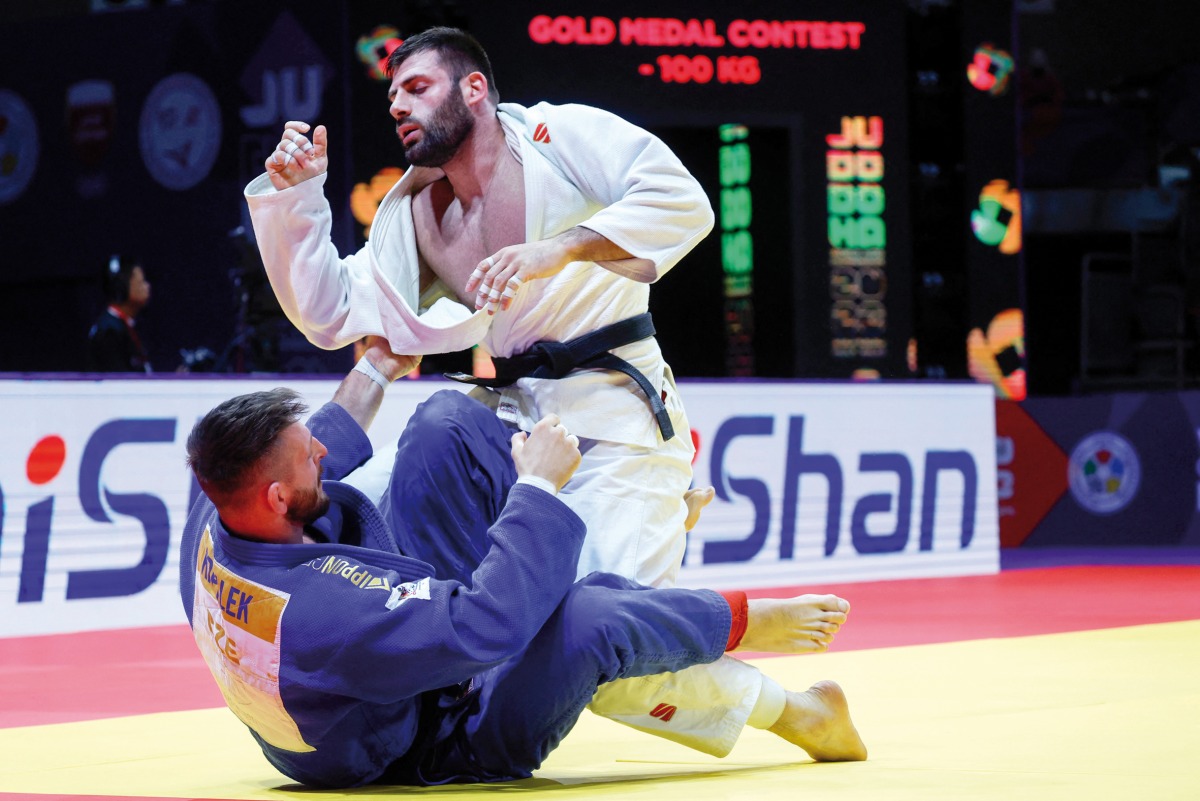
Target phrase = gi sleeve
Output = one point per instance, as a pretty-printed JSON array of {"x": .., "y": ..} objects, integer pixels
[
  {"x": 653, "y": 207},
  {"x": 428, "y": 633},
  {"x": 348, "y": 444},
  {"x": 329, "y": 299}
]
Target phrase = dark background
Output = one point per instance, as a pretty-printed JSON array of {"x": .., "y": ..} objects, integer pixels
[{"x": 1089, "y": 156}]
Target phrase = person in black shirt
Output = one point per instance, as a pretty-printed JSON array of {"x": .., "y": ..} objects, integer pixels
[{"x": 113, "y": 342}]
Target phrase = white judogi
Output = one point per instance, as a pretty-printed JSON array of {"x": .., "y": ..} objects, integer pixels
[{"x": 582, "y": 166}]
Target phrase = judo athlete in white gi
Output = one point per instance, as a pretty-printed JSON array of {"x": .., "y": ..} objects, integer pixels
[
  {"x": 519, "y": 229},
  {"x": 441, "y": 636}
]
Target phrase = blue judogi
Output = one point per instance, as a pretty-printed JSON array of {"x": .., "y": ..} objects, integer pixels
[{"x": 438, "y": 638}]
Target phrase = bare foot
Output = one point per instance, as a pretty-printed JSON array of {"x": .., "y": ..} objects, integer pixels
[
  {"x": 819, "y": 722},
  {"x": 800, "y": 625},
  {"x": 696, "y": 499}
]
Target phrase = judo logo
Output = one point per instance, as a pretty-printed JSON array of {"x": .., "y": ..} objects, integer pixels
[{"x": 1104, "y": 473}]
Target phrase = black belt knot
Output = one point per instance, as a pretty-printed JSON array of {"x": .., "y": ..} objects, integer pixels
[
  {"x": 556, "y": 357},
  {"x": 590, "y": 351}
]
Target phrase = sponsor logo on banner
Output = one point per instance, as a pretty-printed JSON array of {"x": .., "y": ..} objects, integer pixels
[
  {"x": 855, "y": 483},
  {"x": 1104, "y": 472},
  {"x": 870, "y": 482},
  {"x": 94, "y": 492},
  {"x": 99, "y": 504}
]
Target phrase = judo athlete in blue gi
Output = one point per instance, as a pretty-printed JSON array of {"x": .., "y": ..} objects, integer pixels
[{"x": 441, "y": 636}]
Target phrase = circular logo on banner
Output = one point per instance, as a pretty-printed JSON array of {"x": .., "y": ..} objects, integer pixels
[
  {"x": 1104, "y": 472},
  {"x": 18, "y": 146},
  {"x": 180, "y": 131}
]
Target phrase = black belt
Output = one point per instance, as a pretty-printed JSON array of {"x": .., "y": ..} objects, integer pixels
[{"x": 557, "y": 359}]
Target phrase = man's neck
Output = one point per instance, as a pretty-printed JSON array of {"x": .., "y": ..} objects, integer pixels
[
  {"x": 285, "y": 532},
  {"x": 472, "y": 168}
]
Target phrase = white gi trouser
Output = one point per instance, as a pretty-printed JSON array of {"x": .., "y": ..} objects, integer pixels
[
  {"x": 631, "y": 531},
  {"x": 635, "y": 529}
]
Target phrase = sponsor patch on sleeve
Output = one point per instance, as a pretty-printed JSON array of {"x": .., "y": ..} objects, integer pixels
[{"x": 407, "y": 592}]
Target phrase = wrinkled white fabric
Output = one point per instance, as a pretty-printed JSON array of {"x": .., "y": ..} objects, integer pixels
[{"x": 597, "y": 171}]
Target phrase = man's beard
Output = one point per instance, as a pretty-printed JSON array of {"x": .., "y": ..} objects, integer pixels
[
  {"x": 447, "y": 128},
  {"x": 308, "y": 505}
]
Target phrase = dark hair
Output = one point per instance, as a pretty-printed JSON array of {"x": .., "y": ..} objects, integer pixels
[
  {"x": 118, "y": 272},
  {"x": 228, "y": 443},
  {"x": 459, "y": 51}
]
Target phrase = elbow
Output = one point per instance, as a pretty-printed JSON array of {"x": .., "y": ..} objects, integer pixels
[
  {"x": 709, "y": 220},
  {"x": 486, "y": 649},
  {"x": 706, "y": 218}
]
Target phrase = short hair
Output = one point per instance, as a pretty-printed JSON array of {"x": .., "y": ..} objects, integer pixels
[
  {"x": 118, "y": 272},
  {"x": 231, "y": 441},
  {"x": 459, "y": 51}
]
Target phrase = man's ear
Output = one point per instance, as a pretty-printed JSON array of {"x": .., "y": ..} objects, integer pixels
[
  {"x": 474, "y": 88},
  {"x": 277, "y": 498}
]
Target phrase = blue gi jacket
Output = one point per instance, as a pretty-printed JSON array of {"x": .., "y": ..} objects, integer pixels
[{"x": 343, "y": 658}]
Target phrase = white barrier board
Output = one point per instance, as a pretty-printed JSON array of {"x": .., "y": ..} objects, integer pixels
[
  {"x": 824, "y": 482},
  {"x": 816, "y": 483}
]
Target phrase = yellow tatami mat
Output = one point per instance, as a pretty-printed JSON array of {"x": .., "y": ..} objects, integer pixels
[{"x": 1086, "y": 716}]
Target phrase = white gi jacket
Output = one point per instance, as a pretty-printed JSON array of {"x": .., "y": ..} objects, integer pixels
[{"x": 592, "y": 169}]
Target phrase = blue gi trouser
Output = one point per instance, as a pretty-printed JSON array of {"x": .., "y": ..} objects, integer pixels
[{"x": 452, "y": 474}]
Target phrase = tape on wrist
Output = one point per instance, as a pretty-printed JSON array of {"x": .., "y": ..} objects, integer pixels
[{"x": 368, "y": 369}]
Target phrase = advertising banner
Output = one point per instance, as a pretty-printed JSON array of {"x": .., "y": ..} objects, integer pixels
[
  {"x": 1098, "y": 471},
  {"x": 820, "y": 482},
  {"x": 95, "y": 490},
  {"x": 815, "y": 483}
]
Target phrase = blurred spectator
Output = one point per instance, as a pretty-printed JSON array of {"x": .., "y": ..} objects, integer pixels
[{"x": 113, "y": 342}]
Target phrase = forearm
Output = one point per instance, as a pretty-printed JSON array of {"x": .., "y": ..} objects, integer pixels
[
  {"x": 584, "y": 244},
  {"x": 360, "y": 397},
  {"x": 649, "y": 206},
  {"x": 361, "y": 391}
]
